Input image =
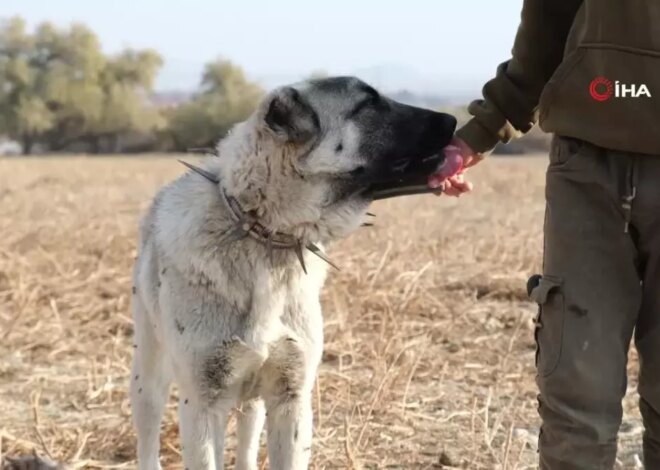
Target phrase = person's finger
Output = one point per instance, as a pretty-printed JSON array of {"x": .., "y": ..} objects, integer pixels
[
  {"x": 459, "y": 184},
  {"x": 466, "y": 187},
  {"x": 453, "y": 192},
  {"x": 463, "y": 186}
]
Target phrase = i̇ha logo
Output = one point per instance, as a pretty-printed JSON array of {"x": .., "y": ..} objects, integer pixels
[{"x": 602, "y": 89}]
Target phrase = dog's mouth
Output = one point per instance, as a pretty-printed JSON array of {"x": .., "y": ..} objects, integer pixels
[
  {"x": 406, "y": 178},
  {"x": 409, "y": 177},
  {"x": 407, "y": 169}
]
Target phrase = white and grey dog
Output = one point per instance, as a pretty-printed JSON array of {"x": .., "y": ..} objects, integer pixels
[{"x": 230, "y": 267}]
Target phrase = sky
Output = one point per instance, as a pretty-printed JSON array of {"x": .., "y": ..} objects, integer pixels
[{"x": 448, "y": 47}]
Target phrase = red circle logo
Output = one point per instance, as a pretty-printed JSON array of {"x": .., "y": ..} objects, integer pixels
[{"x": 601, "y": 89}]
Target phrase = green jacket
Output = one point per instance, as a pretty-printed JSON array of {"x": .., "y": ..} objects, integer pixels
[{"x": 585, "y": 69}]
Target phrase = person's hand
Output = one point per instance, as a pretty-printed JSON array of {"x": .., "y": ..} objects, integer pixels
[{"x": 451, "y": 177}]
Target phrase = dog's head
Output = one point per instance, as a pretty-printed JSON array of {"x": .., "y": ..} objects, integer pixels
[{"x": 322, "y": 150}]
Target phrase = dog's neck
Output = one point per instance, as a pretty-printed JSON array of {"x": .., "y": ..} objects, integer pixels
[
  {"x": 254, "y": 170},
  {"x": 247, "y": 224}
]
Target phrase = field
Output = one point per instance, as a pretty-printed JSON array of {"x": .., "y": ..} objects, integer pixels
[{"x": 429, "y": 354}]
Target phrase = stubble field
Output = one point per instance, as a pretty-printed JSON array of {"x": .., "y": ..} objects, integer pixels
[{"x": 429, "y": 351}]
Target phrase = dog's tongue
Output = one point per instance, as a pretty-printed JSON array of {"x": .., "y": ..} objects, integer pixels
[
  {"x": 452, "y": 166},
  {"x": 453, "y": 163}
]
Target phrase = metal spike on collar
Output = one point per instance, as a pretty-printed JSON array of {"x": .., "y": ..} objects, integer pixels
[
  {"x": 200, "y": 171},
  {"x": 299, "y": 253},
  {"x": 319, "y": 252},
  {"x": 269, "y": 249},
  {"x": 367, "y": 224},
  {"x": 371, "y": 214}
]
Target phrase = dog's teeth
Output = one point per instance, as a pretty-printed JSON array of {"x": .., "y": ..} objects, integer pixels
[{"x": 400, "y": 165}]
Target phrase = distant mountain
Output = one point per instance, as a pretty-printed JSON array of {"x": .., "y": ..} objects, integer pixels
[
  {"x": 388, "y": 77},
  {"x": 400, "y": 82},
  {"x": 173, "y": 98},
  {"x": 423, "y": 100}
]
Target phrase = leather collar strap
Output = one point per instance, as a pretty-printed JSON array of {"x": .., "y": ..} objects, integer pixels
[{"x": 248, "y": 223}]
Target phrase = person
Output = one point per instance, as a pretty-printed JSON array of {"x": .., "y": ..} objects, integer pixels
[{"x": 589, "y": 73}]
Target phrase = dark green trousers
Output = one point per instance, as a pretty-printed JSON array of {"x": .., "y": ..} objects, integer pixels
[{"x": 601, "y": 283}]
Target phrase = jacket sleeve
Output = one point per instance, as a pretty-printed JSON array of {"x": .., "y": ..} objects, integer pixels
[{"x": 510, "y": 103}]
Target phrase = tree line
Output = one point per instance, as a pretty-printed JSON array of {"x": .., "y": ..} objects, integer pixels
[{"x": 60, "y": 92}]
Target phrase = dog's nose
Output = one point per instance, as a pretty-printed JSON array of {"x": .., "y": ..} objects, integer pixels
[
  {"x": 440, "y": 129},
  {"x": 444, "y": 123}
]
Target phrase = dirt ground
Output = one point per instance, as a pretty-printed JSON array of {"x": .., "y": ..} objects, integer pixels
[{"x": 429, "y": 348}]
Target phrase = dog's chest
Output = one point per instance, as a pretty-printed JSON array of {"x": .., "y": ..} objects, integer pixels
[
  {"x": 279, "y": 340},
  {"x": 288, "y": 301}
]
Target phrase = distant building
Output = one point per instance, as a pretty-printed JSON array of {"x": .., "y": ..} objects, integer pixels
[
  {"x": 9, "y": 147},
  {"x": 170, "y": 99}
]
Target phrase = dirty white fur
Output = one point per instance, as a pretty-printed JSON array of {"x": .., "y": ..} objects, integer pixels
[{"x": 233, "y": 330}]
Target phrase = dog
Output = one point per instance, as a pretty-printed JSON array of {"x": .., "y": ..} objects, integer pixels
[{"x": 230, "y": 265}]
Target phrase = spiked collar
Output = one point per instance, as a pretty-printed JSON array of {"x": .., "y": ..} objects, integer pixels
[{"x": 247, "y": 224}]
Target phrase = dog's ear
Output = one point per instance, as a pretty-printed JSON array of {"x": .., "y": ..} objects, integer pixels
[{"x": 290, "y": 118}]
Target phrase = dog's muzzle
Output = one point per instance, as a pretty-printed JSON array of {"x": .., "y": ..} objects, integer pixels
[
  {"x": 407, "y": 180},
  {"x": 409, "y": 175}
]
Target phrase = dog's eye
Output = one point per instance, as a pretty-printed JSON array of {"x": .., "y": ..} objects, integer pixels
[
  {"x": 360, "y": 107},
  {"x": 372, "y": 100}
]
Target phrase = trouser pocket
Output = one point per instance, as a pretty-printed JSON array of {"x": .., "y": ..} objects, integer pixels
[{"x": 547, "y": 292}]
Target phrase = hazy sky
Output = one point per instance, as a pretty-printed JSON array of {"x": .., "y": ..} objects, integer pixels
[{"x": 448, "y": 46}]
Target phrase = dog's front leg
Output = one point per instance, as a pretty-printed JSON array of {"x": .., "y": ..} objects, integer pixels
[
  {"x": 150, "y": 379},
  {"x": 202, "y": 435},
  {"x": 220, "y": 419},
  {"x": 250, "y": 424},
  {"x": 289, "y": 423}
]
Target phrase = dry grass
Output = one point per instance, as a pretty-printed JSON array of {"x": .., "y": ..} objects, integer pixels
[{"x": 429, "y": 350}]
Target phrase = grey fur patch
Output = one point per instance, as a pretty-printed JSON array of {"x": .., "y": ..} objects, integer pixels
[
  {"x": 228, "y": 366},
  {"x": 288, "y": 365},
  {"x": 217, "y": 368}
]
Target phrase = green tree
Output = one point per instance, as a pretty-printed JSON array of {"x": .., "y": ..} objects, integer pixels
[
  {"x": 69, "y": 67},
  {"x": 126, "y": 82},
  {"x": 225, "y": 98},
  {"x": 49, "y": 80},
  {"x": 57, "y": 88},
  {"x": 24, "y": 112}
]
